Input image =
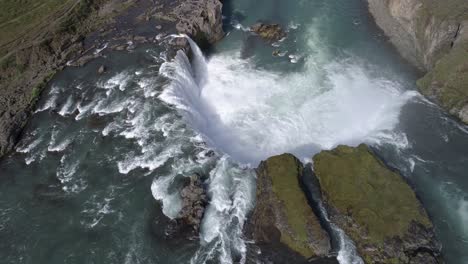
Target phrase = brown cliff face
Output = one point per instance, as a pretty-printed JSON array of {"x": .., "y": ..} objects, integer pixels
[
  {"x": 432, "y": 35},
  {"x": 422, "y": 30}
]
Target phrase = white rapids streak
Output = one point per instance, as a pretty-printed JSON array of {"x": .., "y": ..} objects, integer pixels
[
  {"x": 231, "y": 191},
  {"x": 251, "y": 114}
]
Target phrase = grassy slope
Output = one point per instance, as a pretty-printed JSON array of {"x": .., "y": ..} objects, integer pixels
[{"x": 23, "y": 17}]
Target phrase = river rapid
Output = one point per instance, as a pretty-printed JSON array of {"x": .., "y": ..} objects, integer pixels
[{"x": 97, "y": 174}]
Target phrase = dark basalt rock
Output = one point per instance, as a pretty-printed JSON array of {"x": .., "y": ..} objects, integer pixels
[
  {"x": 186, "y": 225},
  {"x": 194, "y": 201},
  {"x": 269, "y": 32}
]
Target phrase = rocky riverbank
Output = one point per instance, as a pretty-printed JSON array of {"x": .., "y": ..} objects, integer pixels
[
  {"x": 75, "y": 32},
  {"x": 371, "y": 203},
  {"x": 432, "y": 35}
]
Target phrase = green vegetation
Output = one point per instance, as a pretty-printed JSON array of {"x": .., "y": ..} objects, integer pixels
[
  {"x": 450, "y": 78},
  {"x": 380, "y": 202},
  {"x": 37, "y": 90},
  {"x": 27, "y": 22},
  {"x": 447, "y": 82},
  {"x": 285, "y": 171},
  {"x": 21, "y": 17}
]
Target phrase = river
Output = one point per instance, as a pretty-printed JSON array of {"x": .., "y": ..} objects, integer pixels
[{"x": 98, "y": 171}]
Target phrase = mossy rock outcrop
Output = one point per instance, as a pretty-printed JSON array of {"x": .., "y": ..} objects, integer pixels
[
  {"x": 375, "y": 207},
  {"x": 283, "y": 223}
]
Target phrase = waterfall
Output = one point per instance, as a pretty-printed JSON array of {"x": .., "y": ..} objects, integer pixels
[
  {"x": 250, "y": 114},
  {"x": 231, "y": 188}
]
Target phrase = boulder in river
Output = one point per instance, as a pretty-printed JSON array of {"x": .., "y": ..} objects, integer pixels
[
  {"x": 269, "y": 32},
  {"x": 101, "y": 69},
  {"x": 194, "y": 201},
  {"x": 283, "y": 225},
  {"x": 375, "y": 207},
  {"x": 186, "y": 225}
]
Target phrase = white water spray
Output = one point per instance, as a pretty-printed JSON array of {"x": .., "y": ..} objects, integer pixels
[{"x": 252, "y": 114}]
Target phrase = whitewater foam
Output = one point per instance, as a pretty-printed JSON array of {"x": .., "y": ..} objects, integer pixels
[
  {"x": 251, "y": 114},
  {"x": 51, "y": 102},
  {"x": 69, "y": 107},
  {"x": 56, "y": 144},
  {"x": 231, "y": 192}
]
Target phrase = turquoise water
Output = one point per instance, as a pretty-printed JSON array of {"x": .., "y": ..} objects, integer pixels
[{"x": 97, "y": 173}]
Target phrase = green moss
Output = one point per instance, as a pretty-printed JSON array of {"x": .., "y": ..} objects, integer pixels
[
  {"x": 284, "y": 171},
  {"x": 357, "y": 184},
  {"x": 37, "y": 90},
  {"x": 448, "y": 81}
]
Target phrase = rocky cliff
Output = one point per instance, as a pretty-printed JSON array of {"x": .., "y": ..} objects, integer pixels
[
  {"x": 283, "y": 224},
  {"x": 432, "y": 35},
  {"x": 375, "y": 207},
  {"x": 56, "y": 34}
]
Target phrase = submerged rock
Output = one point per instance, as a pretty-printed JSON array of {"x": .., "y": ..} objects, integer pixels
[
  {"x": 186, "y": 225},
  {"x": 269, "y": 32},
  {"x": 283, "y": 224},
  {"x": 101, "y": 69},
  {"x": 376, "y": 208}
]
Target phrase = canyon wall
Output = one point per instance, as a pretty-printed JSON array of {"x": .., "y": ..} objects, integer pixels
[{"x": 433, "y": 36}]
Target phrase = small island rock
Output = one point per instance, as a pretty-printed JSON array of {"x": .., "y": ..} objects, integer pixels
[
  {"x": 375, "y": 207},
  {"x": 269, "y": 32},
  {"x": 283, "y": 224}
]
